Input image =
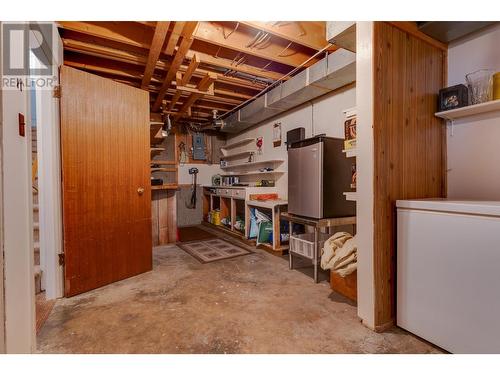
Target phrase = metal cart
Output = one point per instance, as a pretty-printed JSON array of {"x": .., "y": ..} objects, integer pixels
[{"x": 317, "y": 225}]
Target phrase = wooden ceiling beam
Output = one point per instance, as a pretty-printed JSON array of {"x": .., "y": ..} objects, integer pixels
[
  {"x": 178, "y": 93},
  {"x": 193, "y": 65},
  {"x": 204, "y": 85},
  {"x": 131, "y": 33},
  {"x": 279, "y": 50},
  {"x": 307, "y": 33},
  {"x": 92, "y": 49},
  {"x": 242, "y": 68},
  {"x": 208, "y": 99},
  {"x": 186, "y": 42},
  {"x": 154, "y": 51},
  {"x": 111, "y": 70},
  {"x": 174, "y": 37}
]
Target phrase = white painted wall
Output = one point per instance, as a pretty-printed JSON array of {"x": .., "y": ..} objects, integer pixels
[
  {"x": 473, "y": 154},
  {"x": 323, "y": 115},
  {"x": 18, "y": 230},
  {"x": 364, "y": 167},
  {"x": 2, "y": 305},
  {"x": 206, "y": 171}
]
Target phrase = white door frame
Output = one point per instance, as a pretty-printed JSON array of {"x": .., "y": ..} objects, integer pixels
[
  {"x": 49, "y": 181},
  {"x": 2, "y": 306},
  {"x": 17, "y": 211}
]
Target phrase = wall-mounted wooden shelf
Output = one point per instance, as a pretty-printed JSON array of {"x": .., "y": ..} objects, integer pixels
[
  {"x": 238, "y": 155},
  {"x": 471, "y": 110},
  {"x": 163, "y": 162},
  {"x": 165, "y": 187},
  {"x": 251, "y": 173},
  {"x": 237, "y": 144},
  {"x": 156, "y": 150},
  {"x": 254, "y": 163},
  {"x": 163, "y": 169}
]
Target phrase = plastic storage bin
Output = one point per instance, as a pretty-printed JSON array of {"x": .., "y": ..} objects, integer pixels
[{"x": 303, "y": 244}]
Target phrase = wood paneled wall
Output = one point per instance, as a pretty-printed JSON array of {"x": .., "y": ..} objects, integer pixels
[
  {"x": 163, "y": 213},
  {"x": 409, "y": 143}
]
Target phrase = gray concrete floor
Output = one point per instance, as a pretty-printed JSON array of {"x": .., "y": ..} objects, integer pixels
[{"x": 249, "y": 304}]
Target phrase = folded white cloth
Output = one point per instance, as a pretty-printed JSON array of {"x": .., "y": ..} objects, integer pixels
[{"x": 340, "y": 254}]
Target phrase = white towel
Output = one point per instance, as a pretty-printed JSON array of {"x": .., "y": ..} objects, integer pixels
[{"x": 340, "y": 254}]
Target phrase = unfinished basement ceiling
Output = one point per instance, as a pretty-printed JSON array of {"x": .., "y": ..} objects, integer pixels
[{"x": 191, "y": 68}]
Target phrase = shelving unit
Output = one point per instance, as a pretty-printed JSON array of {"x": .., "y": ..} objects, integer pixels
[
  {"x": 252, "y": 173},
  {"x": 156, "y": 150},
  {"x": 238, "y": 155},
  {"x": 471, "y": 110},
  {"x": 236, "y": 144},
  {"x": 163, "y": 169},
  {"x": 163, "y": 162},
  {"x": 156, "y": 132},
  {"x": 165, "y": 187},
  {"x": 254, "y": 163}
]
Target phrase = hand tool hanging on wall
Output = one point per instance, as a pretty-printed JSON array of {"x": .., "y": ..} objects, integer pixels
[{"x": 192, "y": 202}]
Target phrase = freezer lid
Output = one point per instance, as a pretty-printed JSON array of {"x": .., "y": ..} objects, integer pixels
[{"x": 489, "y": 208}]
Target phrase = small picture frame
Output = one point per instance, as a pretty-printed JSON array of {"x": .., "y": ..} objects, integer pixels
[{"x": 453, "y": 97}]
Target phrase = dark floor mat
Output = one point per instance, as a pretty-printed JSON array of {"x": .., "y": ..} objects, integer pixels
[{"x": 188, "y": 234}]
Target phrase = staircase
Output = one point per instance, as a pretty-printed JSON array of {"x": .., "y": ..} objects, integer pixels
[{"x": 36, "y": 225}]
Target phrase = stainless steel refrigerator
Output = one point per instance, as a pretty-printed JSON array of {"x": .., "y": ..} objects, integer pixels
[{"x": 318, "y": 175}]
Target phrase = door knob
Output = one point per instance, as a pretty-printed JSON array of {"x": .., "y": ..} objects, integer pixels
[{"x": 140, "y": 191}]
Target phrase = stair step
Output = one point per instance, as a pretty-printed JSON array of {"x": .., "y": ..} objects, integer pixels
[
  {"x": 36, "y": 207},
  {"x": 36, "y": 245},
  {"x": 36, "y": 226}
]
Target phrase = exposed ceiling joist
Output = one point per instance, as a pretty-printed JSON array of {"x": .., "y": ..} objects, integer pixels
[
  {"x": 186, "y": 42},
  {"x": 131, "y": 33},
  {"x": 154, "y": 51},
  {"x": 243, "y": 68},
  {"x": 91, "y": 49},
  {"x": 204, "y": 85},
  {"x": 174, "y": 59},
  {"x": 174, "y": 37},
  {"x": 281, "y": 51},
  {"x": 193, "y": 65},
  {"x": 309, "y": 34}
]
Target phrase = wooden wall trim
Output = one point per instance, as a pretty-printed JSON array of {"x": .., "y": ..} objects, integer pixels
[{"x": 409, "y": 144}]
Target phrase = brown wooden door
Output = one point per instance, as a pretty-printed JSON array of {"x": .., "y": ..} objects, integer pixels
[{"x": 105, "y": 160}]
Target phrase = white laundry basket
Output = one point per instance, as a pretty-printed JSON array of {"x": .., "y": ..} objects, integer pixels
[{"x": 303, "y": 244}]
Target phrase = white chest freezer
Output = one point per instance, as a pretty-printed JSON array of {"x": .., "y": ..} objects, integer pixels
[{"x": 448, "y": 273}]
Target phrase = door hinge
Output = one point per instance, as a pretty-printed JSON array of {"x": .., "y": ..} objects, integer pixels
[
  {"x": 61, "y": 259},
  {"x": 57, "y": 91}
]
